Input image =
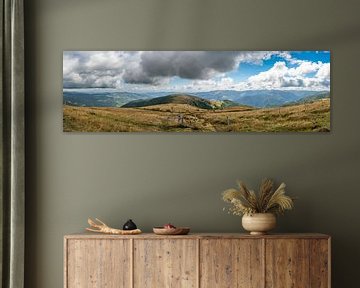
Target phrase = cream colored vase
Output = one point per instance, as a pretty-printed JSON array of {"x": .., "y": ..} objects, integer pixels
[{"x": 259, "y": 223}]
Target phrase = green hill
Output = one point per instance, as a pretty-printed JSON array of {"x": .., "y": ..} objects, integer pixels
[
  {"x": 318, "y": 96},
  {"x": 172, "y": 99},
  {"x": 311, "y": 98}
]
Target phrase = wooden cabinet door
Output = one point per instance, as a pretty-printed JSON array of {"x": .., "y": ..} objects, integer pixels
[
  {"x": 297, "y": 263},
  {"x": 320, "y": 263},
  {"x": 287, "y": 263},
  {"x": 98, "y": 263},
  {"x": 165, "y": 263},
  {"x": 231, "y": 263}
]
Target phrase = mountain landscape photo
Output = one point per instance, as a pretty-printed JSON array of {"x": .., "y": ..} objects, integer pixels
[{"x": 196, "y": 91}]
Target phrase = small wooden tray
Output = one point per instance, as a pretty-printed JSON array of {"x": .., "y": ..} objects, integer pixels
[{"x": 171, "y": 231}]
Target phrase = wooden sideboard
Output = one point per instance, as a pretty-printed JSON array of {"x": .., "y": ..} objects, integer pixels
[{"x": 197, "y": 260}]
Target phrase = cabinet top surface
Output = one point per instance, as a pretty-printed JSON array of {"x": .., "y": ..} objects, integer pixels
[{"x": 86, "y": 235}]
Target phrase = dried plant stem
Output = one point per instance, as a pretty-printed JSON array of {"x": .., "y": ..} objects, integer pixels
[
  {"x": 101, "y": 227},
  {"x": 245, "y": 201}
]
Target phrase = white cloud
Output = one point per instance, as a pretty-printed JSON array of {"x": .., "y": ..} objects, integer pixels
[
  {"x": 204, "y": 70},
  {"x": 69, "y": 64},
  {"x": 324, "y": 71},
  {"x": 220, "y": 83},
  {"x": 107, "y": 60},
  {"x": 97, "y": 68},
  {"x": 280, "y": 76},
  {"x": 111, "y": 68}
]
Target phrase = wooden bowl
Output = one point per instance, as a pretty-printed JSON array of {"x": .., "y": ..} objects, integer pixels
[{"x": 171, "y": 231}]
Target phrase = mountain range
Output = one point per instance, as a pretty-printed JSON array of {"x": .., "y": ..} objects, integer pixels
[
  {"x": 311, "y": 98},
  {"x": 255, "y": 98},
  {"x": 259, "y": 98},
  {"x": 182, "y": 99},
  {"x": 98, "y": 97}
]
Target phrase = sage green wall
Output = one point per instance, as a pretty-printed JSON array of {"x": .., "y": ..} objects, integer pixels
[{"x": 158, "y": 178}]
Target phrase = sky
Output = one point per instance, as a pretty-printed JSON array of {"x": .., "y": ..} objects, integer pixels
[{"x": 195, "y": 71}]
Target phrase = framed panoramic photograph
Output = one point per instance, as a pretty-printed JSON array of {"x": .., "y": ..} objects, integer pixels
[{"x": 196, "y": 91}]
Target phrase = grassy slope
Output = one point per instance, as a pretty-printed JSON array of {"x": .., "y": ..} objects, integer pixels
[
  {"x": 313, "y": 116},
  {"x": 171, "y": 99}
]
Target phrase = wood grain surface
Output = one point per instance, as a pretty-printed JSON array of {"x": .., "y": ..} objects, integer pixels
[
  {"x": 165, "y": 263},
  {"x": 197, "y": 260},
  {"x": 319, "y": 263},
  {"x": 88, "y": 235},
  {"x": 98, "y": 263},
  {"x": 287, "y": 263},
  {"x": 231, "y": 263}
]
